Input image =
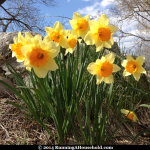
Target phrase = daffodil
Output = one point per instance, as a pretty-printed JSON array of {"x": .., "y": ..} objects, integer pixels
[
  {"x": 104, "y": 68},
  {"x": 16, "y": 47},
  {"x": 72, "y": 42},
  {"x": 57, "y": 34},
  {"x": 100, "y": 33},
  {"x": 130, "y": 114},
  {"x": 40, "y": 56},
  {"x": 80, "y": 24},
  {"x": 133, "y": 66}
]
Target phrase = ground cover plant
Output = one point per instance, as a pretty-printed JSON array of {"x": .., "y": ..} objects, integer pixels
[{"x": 99, "y": 85}]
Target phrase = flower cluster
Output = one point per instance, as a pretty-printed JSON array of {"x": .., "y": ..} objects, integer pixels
[{"x": 39, "y": 54}]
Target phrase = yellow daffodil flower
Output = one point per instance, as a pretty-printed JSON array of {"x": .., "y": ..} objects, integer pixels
[
  {"x": 131, "y": 115},
  {"x": 80, "y": 24},
  {"x": 72, "y": 42},
  {"x": 133, "y": 66},
  {"x": 104, "y": 68},
  {"x": 16, "y": 47},
  {"x": 39, "y": 56},
  {"x": 100, "y": 33},
  {"x": 57, "y": 34}
]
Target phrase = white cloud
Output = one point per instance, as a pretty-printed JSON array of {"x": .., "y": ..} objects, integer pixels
[
  {"x": 105, "y": 3},
  {"x": 68, "y": 0},
  {"x": 90, "y": 10}
]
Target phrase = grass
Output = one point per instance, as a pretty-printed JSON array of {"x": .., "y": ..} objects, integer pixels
[{"x": 123, "y": 97}]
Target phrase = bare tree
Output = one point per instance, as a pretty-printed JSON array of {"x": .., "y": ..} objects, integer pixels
[
  {"x": 23, "y": 15},
  {"x": 138, "y": 12}
]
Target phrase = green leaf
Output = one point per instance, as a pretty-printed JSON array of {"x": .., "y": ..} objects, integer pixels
[{"x": 144, "y": 105}]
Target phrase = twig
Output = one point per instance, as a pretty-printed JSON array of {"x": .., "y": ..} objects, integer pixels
[{"x": 5, "y": 130}]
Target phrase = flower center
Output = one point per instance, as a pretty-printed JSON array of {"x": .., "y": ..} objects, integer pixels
[
  {"x": 106, "y": 69},
  {"x": 104, "y": 34},
  {"x": 41, "y": 55},
  {"x": 72, "y": 42},
  {"x": 17, "y": 49},
  {"x": 55, "y": 36},
  {"x": 130, "y": 116},
  {"x": 131, "y": 66},
  {"x": 38, "y": 57},
  {"x": 82, "y": 25}
]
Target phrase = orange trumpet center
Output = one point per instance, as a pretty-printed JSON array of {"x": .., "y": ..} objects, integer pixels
[
  {"x": 104, "y": 34},
  {"x": 106, "y": 69},
  {"x": 38, "y": 57}
]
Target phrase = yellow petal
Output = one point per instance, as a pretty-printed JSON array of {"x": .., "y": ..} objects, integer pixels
[
  {"x": 136, "y": 76},
  {"x": 25, "y": 49},
  {"x": 70, "y": 50},
  {"x": 98, "y": 61},
  {"x": 99, "y": 79},
  {"x": 58, "y": 26},
  {"x": 53, "y": 48},
  {"x": 27, "y": 63},
  {"x": 89, "y": 38},
  {"x": 76, "y": 16},
  {"x": 50, "y": 65},
  {"x": 129, "y": 58},
  {"x": 48, "y": 30},
  {"x": 28, "y": 68},
  {"x": 40, "y": 72},
  {"x": 36, "y": 43},
  {"x": 10, "y": 46},
  {"x": 99, "y": 47},
  {"x": 112, "y": 28},
  {"x": 47, "y": 38},
  {"x": 63, "y": 42},
  {"x": 73, "y": 24},
  {"x": 87, "y": 17},
  {"x": 79, "y": 40},
  {"x": 94, "y": 25},
  {"x": 28, "y": 35},
  {"x": 124, "y": 63},
  {"x": 66, "y": 52},
  {"x": 140, "y": 60},
  {"x": 109, "y": 79},
  {"x": 93, "y": 68},
  {"x": 107, "y": 44},
  {"x": 99, "y": 44},
  {"x": 38, "y": 37},
  {"x": 13, "y": 54},
  {"x": 74, "y": 34},
  {"x": 125, "y": 73},
  {"x": 124, "y": 111},
  {"x": 116, "y": 68},
  {"x": 110, "y": 57},
  {"x": 82, "y": 33},
  {"x": 141, "y": 70},
  {"x": 15, "y": 40},
  {"x": 18, "y": 60},
  {"x": 103, "y": 20},
  {"x": 21, "y": 39},
  {"x": 66, "y": 33},
  {"x": 110, "y": 42},
  {"x": 42, "y": 44}
]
